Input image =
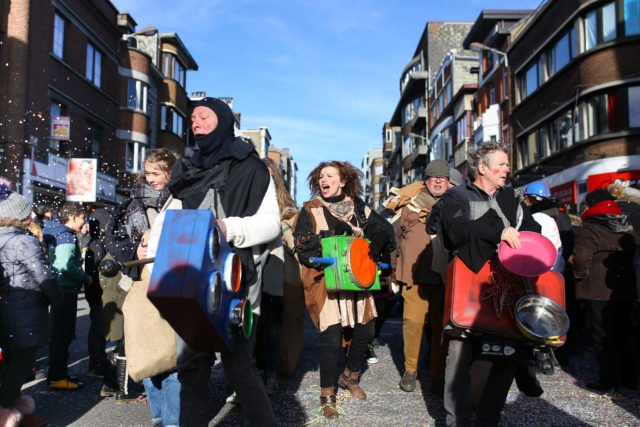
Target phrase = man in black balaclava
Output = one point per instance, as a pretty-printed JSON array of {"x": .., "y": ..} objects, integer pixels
[{"x": 226, "y": 176}]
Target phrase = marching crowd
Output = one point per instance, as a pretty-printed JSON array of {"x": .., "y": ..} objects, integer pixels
[{"x": 48, "y": 257}]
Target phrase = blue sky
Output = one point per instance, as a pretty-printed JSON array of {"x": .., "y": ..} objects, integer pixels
[{"x": 321, "y": 75}]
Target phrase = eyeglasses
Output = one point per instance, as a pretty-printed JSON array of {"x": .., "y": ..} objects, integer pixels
[{"x": 438, "y": 178}]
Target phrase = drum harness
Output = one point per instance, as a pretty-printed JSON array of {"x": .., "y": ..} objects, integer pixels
[{"x": 260, "y": 253}]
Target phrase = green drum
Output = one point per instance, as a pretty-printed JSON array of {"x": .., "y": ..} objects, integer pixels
[{"x": 352, "y": 268}]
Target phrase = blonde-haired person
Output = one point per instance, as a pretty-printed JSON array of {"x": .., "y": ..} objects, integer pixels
[
  {"x": 291, "y": 306},
  {"x": 124, "y": 243},
  {"x": 339, "y": 317}
]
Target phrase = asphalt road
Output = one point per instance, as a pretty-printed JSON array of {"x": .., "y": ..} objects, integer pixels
[{"x": 565, "y": 402}]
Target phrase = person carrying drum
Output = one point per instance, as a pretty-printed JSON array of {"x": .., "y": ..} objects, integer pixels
[
  {"x": 339, "y": 316},
  {"x": 473, "y": 219}
]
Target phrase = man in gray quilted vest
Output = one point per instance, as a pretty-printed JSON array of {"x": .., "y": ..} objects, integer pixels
[{"x": 473, "y": 219}]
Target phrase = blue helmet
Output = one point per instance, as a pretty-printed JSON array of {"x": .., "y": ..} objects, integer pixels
[{"x": 538, "y": 188}]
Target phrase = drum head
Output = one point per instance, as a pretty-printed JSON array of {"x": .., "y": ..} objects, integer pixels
[
  {"x": 535, "y": 256},
  {"x": 362, "y": 266}
]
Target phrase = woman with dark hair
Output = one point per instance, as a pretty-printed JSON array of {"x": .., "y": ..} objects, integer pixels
[{"x": 340, "y": 317}]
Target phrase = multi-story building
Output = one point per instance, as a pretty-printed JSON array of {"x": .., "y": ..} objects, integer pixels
[
  {"x": 490, "y": 36},
  {"x": 576, "y": 111},
  {"x": 373, "y": 167},
  {"x": 114, "y": 92},
  {"x": 408, "y": 128},
  {"x": 450, "y": 106},
  {"x": 261, "y": 139},
  {"x": 155, "y": 106},
  {"x": 288, "y": 168},
  {"x": 61, "y": 60},
  {"x": 140, "y": 80},
  {"x": 391, "y": 156},
  {"x": 173, "y": 99}
]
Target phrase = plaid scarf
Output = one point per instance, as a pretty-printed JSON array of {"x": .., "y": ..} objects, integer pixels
[{"x": 142, "y": 198}]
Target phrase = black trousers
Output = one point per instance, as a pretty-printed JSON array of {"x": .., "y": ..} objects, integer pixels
[
  {"x": 63, "y": 330},
  {"x": 610, "y": 327},
  {"x": 16, "y": 366},
  {"x": 241, "y": 372},
  {"x": 96, "y": 343},
  {"x": 331, "y": 340}
]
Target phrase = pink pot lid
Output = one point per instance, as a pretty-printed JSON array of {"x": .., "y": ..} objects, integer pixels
[{"x": 536, "y": 255}]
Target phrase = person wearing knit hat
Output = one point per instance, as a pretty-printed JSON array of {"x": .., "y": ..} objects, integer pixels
[
  {"x": 604, "y": 280},
  {"x": 455, "y": 177},
  {"x": 27, "y": 287},
  {"x": 12, "y": 204},
  {"x": 597, "y": 196},
  {"x": 437, "y": 167},
  {"x": 423, "y": 289}
]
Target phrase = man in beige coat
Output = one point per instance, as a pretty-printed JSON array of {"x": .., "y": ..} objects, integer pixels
[{"x": 423, "y": 288}]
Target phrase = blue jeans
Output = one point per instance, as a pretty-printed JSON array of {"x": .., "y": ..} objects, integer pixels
[{"x": 163, "y": 395}]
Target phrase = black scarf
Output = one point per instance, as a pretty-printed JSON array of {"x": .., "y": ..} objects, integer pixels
[{"x": 220, "y": 143}]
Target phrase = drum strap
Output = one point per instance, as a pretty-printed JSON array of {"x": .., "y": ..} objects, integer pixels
[
  {"x": 361, "y": 215},
  {"x": 212, "y": 201}
]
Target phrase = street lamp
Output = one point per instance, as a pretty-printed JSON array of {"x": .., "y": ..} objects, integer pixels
[{"x": 477, "y": 47}]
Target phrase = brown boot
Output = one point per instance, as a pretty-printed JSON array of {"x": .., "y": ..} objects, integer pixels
[
  {"x": 328, "y": 402},
  {"x": 350, "y": 380}
]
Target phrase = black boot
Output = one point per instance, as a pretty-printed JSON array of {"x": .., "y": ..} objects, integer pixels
[
  {"x": 110, "y": 380},
  {"x": 124, "y": 395}
]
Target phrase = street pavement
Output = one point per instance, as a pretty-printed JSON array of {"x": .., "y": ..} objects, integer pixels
[{"x": 565, "y": 401}]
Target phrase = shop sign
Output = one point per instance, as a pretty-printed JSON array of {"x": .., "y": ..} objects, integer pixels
[
  {"x": 603, "y": 180},
  {"x": 60, "y": 128},
  {"x": 565, "y": 193}
]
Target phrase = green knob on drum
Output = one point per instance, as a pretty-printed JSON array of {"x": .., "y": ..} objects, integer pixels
[{"x": 241, "y": 317}]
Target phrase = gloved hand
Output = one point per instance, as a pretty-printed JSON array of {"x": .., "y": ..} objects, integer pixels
[
  {"x": 342, "y": 228},
  {"x": 385, "y": 258},
  {"x": 308, "y": 246},
  {"x": 380, "y": 254},
  {"x": 374, "y": 250}
]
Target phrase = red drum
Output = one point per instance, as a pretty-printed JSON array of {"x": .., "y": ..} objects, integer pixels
[{"x": 470, "y": 299}]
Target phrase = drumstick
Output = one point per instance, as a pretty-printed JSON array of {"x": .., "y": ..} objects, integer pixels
[{"x": 329, "y": 261}]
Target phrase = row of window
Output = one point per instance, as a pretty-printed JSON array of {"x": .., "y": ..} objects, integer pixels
[
  {"x": 599, "y": 26},
  {"x": 411, "y": 110},
  {"x": 463, "y": 128},
  {"x": 93, "y": 64},
  {"x": 137, "y": 96},
  {"x": 596, "y": 115},
  {"x": 444, "y": 98},
  {"x": 171, "y": 120},
  {"x": 171, "y": 66}
]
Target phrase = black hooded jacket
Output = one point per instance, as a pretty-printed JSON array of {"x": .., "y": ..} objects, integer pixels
[{"x": 228, "y": 165}]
